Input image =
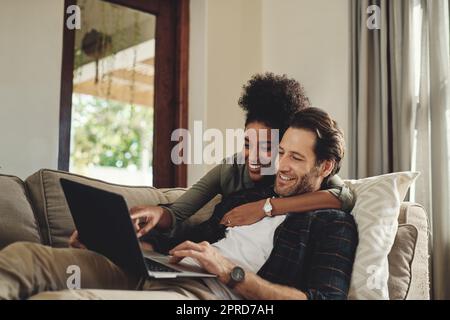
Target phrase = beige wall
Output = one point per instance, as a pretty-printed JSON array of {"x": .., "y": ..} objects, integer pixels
[
  {"x": 310, "y": 41},
  {"x": 225, "y": 50},
  {"x": 234, "y": 54},
  {"x": 30, "y": 73},
  {"x": 230, "y": 40}
]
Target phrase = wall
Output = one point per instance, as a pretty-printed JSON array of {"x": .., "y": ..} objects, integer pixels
[
  {"x": 30, "y": 72},
  {"x": 310, "y": 41},
  {"x": 225, "y": 50},
  {"x": 230, "y": 40}
]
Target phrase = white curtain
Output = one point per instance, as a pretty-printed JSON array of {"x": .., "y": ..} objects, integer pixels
[
  {"x": 432, "y": 150},
  {"x": 401, "y": 109},
  {"x": 369, "y": 151},
  {"x": 382, "y": 89}
]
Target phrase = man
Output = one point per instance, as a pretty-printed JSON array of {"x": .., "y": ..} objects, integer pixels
[{"x": 298, "y": 256}]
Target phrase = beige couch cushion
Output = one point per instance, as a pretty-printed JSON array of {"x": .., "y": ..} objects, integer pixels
[
  {"x": 400, "y": 261},
  {"x": 17, "y": 221},
  {"x": 53, "y": 213},
  {"x": 412, "y": 213}
]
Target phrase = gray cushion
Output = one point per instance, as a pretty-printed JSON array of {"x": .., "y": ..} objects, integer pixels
[
  {"x": 53, "y": 213},
  {"x": 400, "y": 261},
  {"x": 51, "y": 207},
  {"x": 17, "y": 221},
  {"x": 415, "y": 214}
]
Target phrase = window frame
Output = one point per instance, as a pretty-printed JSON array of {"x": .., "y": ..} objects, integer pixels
[{"x": 171, "y": 85}]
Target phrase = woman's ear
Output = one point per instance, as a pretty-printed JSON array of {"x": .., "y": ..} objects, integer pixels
[{"x": 327, "y": 168}]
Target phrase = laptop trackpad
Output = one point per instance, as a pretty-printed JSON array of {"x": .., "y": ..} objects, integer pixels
[{"x": 164, "y": 259}]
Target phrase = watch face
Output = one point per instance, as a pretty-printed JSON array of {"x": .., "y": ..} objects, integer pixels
[
  {"x": 237, "y": 274},
  {"x": 267, "y": 207}
]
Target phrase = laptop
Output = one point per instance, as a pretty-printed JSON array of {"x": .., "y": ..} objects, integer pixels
[{"x": 104, "y": 225}]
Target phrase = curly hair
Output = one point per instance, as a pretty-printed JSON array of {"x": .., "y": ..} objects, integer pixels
[{"x": 273, "y": 100}]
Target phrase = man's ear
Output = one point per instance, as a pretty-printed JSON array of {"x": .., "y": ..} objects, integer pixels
[{"x": 327, "y": 167}]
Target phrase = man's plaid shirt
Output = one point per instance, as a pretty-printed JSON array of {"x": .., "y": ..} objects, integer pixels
[{"x": 313, "y": 251}]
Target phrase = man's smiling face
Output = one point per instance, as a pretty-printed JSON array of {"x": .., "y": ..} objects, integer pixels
[{"x": 297, "y": 169}]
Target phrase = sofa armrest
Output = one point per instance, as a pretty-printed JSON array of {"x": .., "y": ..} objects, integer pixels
[{"x": 415, "y": 214}]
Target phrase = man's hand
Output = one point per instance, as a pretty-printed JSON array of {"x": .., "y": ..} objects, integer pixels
[
  {"x": 145, "y": 218},
  {"x": 74, "y": 241},
  {"x": 245, "y": 214},
  {"x": 208, "y": 257},
  {"x": 253, "y": 287}
]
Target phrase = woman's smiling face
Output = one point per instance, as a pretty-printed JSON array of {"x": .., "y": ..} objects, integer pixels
[{"x": 257, "y": 149}]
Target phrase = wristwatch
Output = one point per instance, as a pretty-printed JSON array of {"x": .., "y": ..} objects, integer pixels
[
  {"x": 268, "y": 208},
  {"x": 237, "y": 275}
]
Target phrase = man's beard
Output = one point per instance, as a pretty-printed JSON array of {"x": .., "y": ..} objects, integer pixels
[{"x": 305, "y": 185}]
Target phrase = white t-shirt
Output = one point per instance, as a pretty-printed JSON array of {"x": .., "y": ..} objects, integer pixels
[{"x": 247, "y": 246}]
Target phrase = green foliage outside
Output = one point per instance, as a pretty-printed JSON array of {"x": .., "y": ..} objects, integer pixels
[{"x": 109, "y": 133}]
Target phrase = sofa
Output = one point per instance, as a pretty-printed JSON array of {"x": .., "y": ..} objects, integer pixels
[{"x": 35, "y": 210}]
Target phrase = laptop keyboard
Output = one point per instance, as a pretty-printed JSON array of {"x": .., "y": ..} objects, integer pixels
[{"x": 158, "y": 267}]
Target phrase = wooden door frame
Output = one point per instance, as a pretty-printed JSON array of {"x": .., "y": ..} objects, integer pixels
[{"x": 171, "y": 85}]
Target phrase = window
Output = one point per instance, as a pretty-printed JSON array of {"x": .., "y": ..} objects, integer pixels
[
  {"x": 124, "y": 91},
  {"x": 112, "y": 99},
  {"x": 417, "y": 43}
]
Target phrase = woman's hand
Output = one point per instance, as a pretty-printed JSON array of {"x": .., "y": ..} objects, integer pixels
[
  {"x": 145, "y": 246},
  {"x": 245, "y": 214},
  {"x": 145, "y": 218},
  {"x": 74, "y": 241}
]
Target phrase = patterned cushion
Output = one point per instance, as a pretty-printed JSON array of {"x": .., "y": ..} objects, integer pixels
[{"x": 376, "y": 211}]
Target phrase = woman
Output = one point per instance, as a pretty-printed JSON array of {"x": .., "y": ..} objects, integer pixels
[{"x": 269, "y": 102}]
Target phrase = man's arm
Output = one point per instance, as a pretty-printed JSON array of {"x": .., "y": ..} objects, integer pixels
[
  {"x": 328, "y": 271},
  {"x": 324, "y": 276},
  {"x": 253, "y": 287},
  {"x": 330, "y": 268},
  {"x": 256, "y": 288}
]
